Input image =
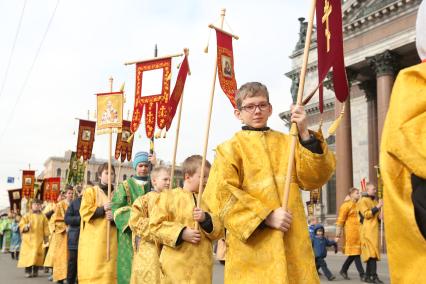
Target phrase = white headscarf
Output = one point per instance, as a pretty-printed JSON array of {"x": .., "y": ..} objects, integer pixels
[{"x": 421, "y": 31}]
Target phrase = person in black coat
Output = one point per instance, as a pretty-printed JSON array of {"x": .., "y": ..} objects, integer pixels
[{"x": 72, "y": 219}]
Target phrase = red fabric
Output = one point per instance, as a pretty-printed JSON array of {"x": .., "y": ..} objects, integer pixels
[
  {"x": 122, "y": 147},
  {"x": 227, "y": 80},
  {"x": 334, "y": 57},
  {"x": 54, "y": 185},
  {"x": 84, "y": 147},
  {"x": 149, "y": 103},
  {"x": 424, "y": 60},
  {"x": 177, "y": 92},
  {"x": 28, "y": 184}
]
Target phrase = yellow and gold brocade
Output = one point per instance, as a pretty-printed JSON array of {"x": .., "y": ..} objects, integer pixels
[
  {"x": 348, "y": 219},
  {"x": 370, "y": 246},
  {"x": 246, "y": 183}
]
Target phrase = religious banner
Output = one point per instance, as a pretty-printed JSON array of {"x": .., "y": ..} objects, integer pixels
[
  {"x": 225, "y": 65},
  {"x": 28, "y": 178},
  {"x": 155, "y": 106},
  {"x": 109, "y": 112},
  {"x": 315, "y": 195},
  {"x": 46, "y": 190},
  {"x": 123, "y": 147},
  {"x": 15, "y": 196},
  {"x": 85, "y": 139},
  {"x": 75, "y": 170},
  {"x": 54, "y": 188},
  {"x": 177, "y": 92},
  {"x": 330, "y": 48}
]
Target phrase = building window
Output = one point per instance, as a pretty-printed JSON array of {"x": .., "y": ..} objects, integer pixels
[
  {"x": 88, "y": 175},
  {"x": 58, "y": 172},
  {"x": 124, "y": 177},
  {"x": 331, "y": 195}
]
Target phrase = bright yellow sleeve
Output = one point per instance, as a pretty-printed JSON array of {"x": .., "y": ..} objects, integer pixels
[
  {"x": 241, "y": 212},
  {"x": 139, "y": 218},
  {"x": 161, "y": 224},
  {"x": 364, "y": 207},
  {"x": 46, "y": 231},
  {"x": 88, "y": 204},
  {"x": 314, "y": 170},
  {"x": 24, "y": 221},
  {"x": 59, "y": 216},
  {"x": 343, "y": 215}
]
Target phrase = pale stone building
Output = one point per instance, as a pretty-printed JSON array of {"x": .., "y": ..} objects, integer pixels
[{"x": 379, "y": 40}]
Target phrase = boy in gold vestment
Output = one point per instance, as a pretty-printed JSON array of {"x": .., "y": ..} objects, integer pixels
[
  {"x": 187, "y": 255},
  {"x": 35, "y": 230},
  {"x": 266, "y": 244},
  {"x": 146, "y": 263}
]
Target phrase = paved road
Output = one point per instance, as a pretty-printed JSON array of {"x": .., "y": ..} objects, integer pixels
[{"x": 10, "y": 274}]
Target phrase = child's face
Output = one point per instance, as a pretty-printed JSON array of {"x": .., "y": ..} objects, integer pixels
[
  {"x": 161, "y": 181},
  {"x": 355, "y": 195},
  {"x": 371, "y": 190},
  {"x": 320, "y": 233},
  {"x": 35, "y": 207},
  {"x": 68, "y": 195},
  {"x": 142, "y": 169},
  {"x": 192, "y": 183},
  {"x": 254, "y": 112},
  {"x": 104, "y": 176}
]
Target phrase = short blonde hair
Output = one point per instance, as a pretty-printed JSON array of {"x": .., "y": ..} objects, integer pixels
[
  {"x": 158, "y": 169},
  {"x": 192, "y": 164},
  {"x": 249, "y": 90}
]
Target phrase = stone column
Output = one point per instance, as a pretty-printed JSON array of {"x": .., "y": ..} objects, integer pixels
[
  {"x": 385, "y": 66},
  {"x": 369, "y": 88},
  {"x": 344, "y": 170}
]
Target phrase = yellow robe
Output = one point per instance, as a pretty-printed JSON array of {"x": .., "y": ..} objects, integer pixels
[
  {"x": 32, "y": 252},
  {"x": 370, "y": 245},
  {"x": 51, "y": 244},
  {"x": 146, "y": 257},
  {"x": 92, "y": 264},
  {"x": 186, "y": 263},
  {"x": 245, "y": 184},
  {"x": 402, "y": 153},
  {"x": 349, "y": 219},
  {"x": 60, "y": 258}
]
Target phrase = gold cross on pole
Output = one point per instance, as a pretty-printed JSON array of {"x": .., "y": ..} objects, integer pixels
[{"x": 327, "y": 11}]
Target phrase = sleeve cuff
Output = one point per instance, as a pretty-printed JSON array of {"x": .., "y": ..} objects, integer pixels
[
  {"x": 374, "y": 210},
  {"x": 207, "y": 224},
  {"x": 312, "y": 144},
  {"x": 179, "y": 240},
  {"x": 99, "y": 212}
]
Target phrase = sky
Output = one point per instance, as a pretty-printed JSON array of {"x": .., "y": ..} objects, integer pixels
[{"x": 66, "y": 51}]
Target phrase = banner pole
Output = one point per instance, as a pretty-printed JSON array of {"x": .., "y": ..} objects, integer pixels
[
  {"x": 209, "y": 116},
  {"x": 293, "y": 131},
  {"x": 172, "y": 174},
  {"x": 109, "y": 180}
]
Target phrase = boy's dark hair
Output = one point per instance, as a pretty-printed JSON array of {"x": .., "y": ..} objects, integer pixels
[
  {"x": 192, "y": 163},
  {"x": 37, "y": 201},
  {"x": 68, "y": 187},
  {"x": 103, "y": 167},
  {"x": 249, "y": 90}
]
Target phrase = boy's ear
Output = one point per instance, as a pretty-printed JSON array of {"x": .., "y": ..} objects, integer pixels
[{"x": 237, "y": 114}]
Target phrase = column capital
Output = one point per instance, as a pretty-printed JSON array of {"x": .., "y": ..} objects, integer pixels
[
  {"x": 385, "y": 63},
  {"x": 370, "y": 89}
]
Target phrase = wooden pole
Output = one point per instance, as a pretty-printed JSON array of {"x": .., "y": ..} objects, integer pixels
[
  {"x": 109, "y": 181},
  {"x": 206, "y": 138},
  {"x": 118, "y": 174},
  {"x": 177, "y": 136},
  {"x": 293, "y": 132}
]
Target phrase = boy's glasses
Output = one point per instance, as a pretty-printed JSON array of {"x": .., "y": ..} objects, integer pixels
[{"x": 252, "y": 108}]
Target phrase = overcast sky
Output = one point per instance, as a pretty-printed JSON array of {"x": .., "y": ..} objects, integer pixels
[{"x": 88, "y": 41}]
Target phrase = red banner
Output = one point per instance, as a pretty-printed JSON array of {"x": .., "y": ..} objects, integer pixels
[
  {"x": 123, "y": 148},
  {"x": 330, "y": 48},
  {"x": 177, "y": 92},
  {"x": 225, "y": 65},
  {"x": 28, "y": 184},
  {"x": 86, "y": 137},
  {"x": 52, "y": 189},
  {"x": 15, "y": 196},
  {"x": 154, "y": 102}
]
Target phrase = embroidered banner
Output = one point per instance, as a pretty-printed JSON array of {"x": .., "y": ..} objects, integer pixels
[
  {"x": 28, "y": 184},
  {"x": 85, "y": 139},
  {"x": 330, "y": 48},
  {"x": 123, "y": 148},
  {"x": 225, "y": 65},
  {"x": 52, "y": 189},
  {"x": 155, "y": 106},
  {"x": 177, "y": 92},
  {"x": 15, "y": 196},
  {"x": 109, "y": 112},
  {"x": 75, "y": 170}
]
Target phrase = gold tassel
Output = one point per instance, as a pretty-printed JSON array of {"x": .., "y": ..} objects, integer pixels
[
  {"x": 206, "y": 49},
  {"x": 130, "y": 138},
  {"x": 320, "y": 124},
  {"x": 333, "y": 128},
  {"x": 157, "y": 135}
]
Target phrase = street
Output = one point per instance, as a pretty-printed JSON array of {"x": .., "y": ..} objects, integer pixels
[{"x": 13, "y": 275}]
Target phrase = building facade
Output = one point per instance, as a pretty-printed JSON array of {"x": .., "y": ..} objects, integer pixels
[{"x": 379, "y": 40}]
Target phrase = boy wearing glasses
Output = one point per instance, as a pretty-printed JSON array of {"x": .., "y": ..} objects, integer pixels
[{"x": 266, "y": 244}]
